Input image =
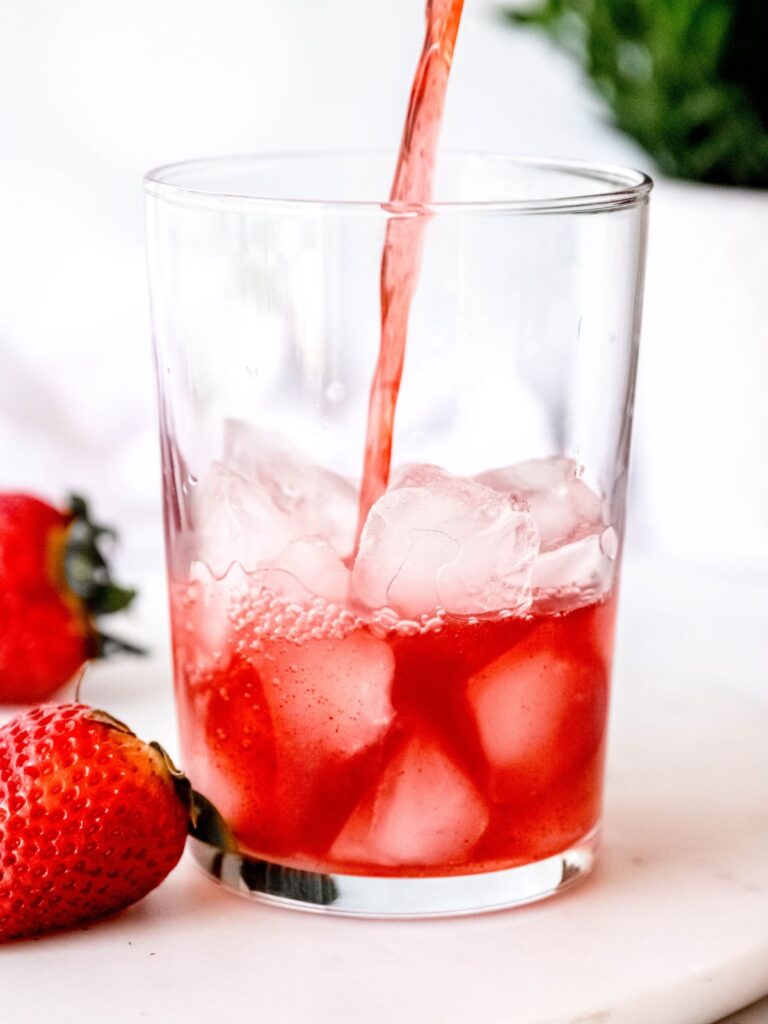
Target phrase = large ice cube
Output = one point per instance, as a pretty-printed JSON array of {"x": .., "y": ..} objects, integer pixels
[
  {"x": 236, "y": 522},
  {"x": 423, "y": 811},
  {"x": 564, "y": 507},
  {"x": 313, "y": 498},
  {"x": 577, "y": 547},
  {"x": 537, "y": 711},
  {"x": 262, "y": 496},
  {"x": 328, "y": 698},
  {"x": 583, "y": 567},
  {"x": 439, "y": 540}
]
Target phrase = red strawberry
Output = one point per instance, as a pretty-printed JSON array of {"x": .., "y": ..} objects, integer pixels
[
  {"x": 53, "y": 582},
  {"x": 91, "y": 818}
]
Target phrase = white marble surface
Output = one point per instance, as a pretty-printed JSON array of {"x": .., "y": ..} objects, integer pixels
[
  {"x": 757, "y": 1013},
  {"x": 671, "y": 929}
]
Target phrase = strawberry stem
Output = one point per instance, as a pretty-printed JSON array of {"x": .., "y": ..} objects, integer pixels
[
  {"x": 106, "y": 645},
  {"x": 86, "y": 569},
  {"x": 88, "y": 575}
]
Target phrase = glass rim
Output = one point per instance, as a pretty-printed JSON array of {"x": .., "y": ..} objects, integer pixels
[{"x": 630, "y": 187}]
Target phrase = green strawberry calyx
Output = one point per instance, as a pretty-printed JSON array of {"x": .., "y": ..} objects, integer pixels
[{"x": 88, "y": 576}]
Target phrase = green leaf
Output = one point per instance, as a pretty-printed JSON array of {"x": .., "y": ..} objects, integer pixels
[
  {"x": 107, "y": 645},
  {"x": 87, "y": 571},
  {"x": 686, "y": 79},
  {"x": 111, "y": 598}
]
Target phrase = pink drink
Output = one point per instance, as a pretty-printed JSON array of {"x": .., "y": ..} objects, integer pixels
[
  {"x": 341, "y": 732},
  {"x": 403, "y": 243},
  {"x": 410, "y": 679},
  {"x": 485, "y": 753}
]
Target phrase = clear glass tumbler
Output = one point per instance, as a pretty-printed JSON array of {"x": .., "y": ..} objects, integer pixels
[{"x": 410, "y": 720}]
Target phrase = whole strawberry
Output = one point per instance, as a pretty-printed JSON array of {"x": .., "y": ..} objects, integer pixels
[
  {"x": 54, "y": 582},
  {"x": 91, "y": 818}
]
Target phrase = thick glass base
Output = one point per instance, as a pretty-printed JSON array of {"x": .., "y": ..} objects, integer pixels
[{"x": 375, "y": 896}]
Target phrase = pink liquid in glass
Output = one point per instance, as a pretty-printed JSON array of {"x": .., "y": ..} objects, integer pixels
[{"x": 393, "y": 731}]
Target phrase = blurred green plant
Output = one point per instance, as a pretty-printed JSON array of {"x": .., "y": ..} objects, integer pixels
[{"x": 687, "y": 79}]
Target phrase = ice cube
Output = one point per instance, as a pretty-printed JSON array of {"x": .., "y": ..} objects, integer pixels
[
  {"x": 537, "y": 711},
  {"x": 423, "y": 811},
  {"x": 263, "y": 495},
  {"x": 582, "y": 567},
  {"x": 305, "y": 569},
  {"x": 577, "y": 548},
  {"x": 439, "y": 540},
  {"x": 311, "y": 498},
  {"x": 237, "y": 522},
  {"x": 315, "y": 564},
  {"x": 564, "y": 507},
  {"x": 328, "y": 697},
  {"x": 205, "y": 606}
]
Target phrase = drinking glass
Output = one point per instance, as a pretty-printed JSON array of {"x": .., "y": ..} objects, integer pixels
[{"x": 404, "y": 715}]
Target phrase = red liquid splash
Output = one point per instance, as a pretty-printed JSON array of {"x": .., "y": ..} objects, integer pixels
[{"x": 404, "y": 239}]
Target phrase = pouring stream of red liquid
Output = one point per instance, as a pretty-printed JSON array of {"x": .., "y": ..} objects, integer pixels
[{"x": 403, "y": 242}]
